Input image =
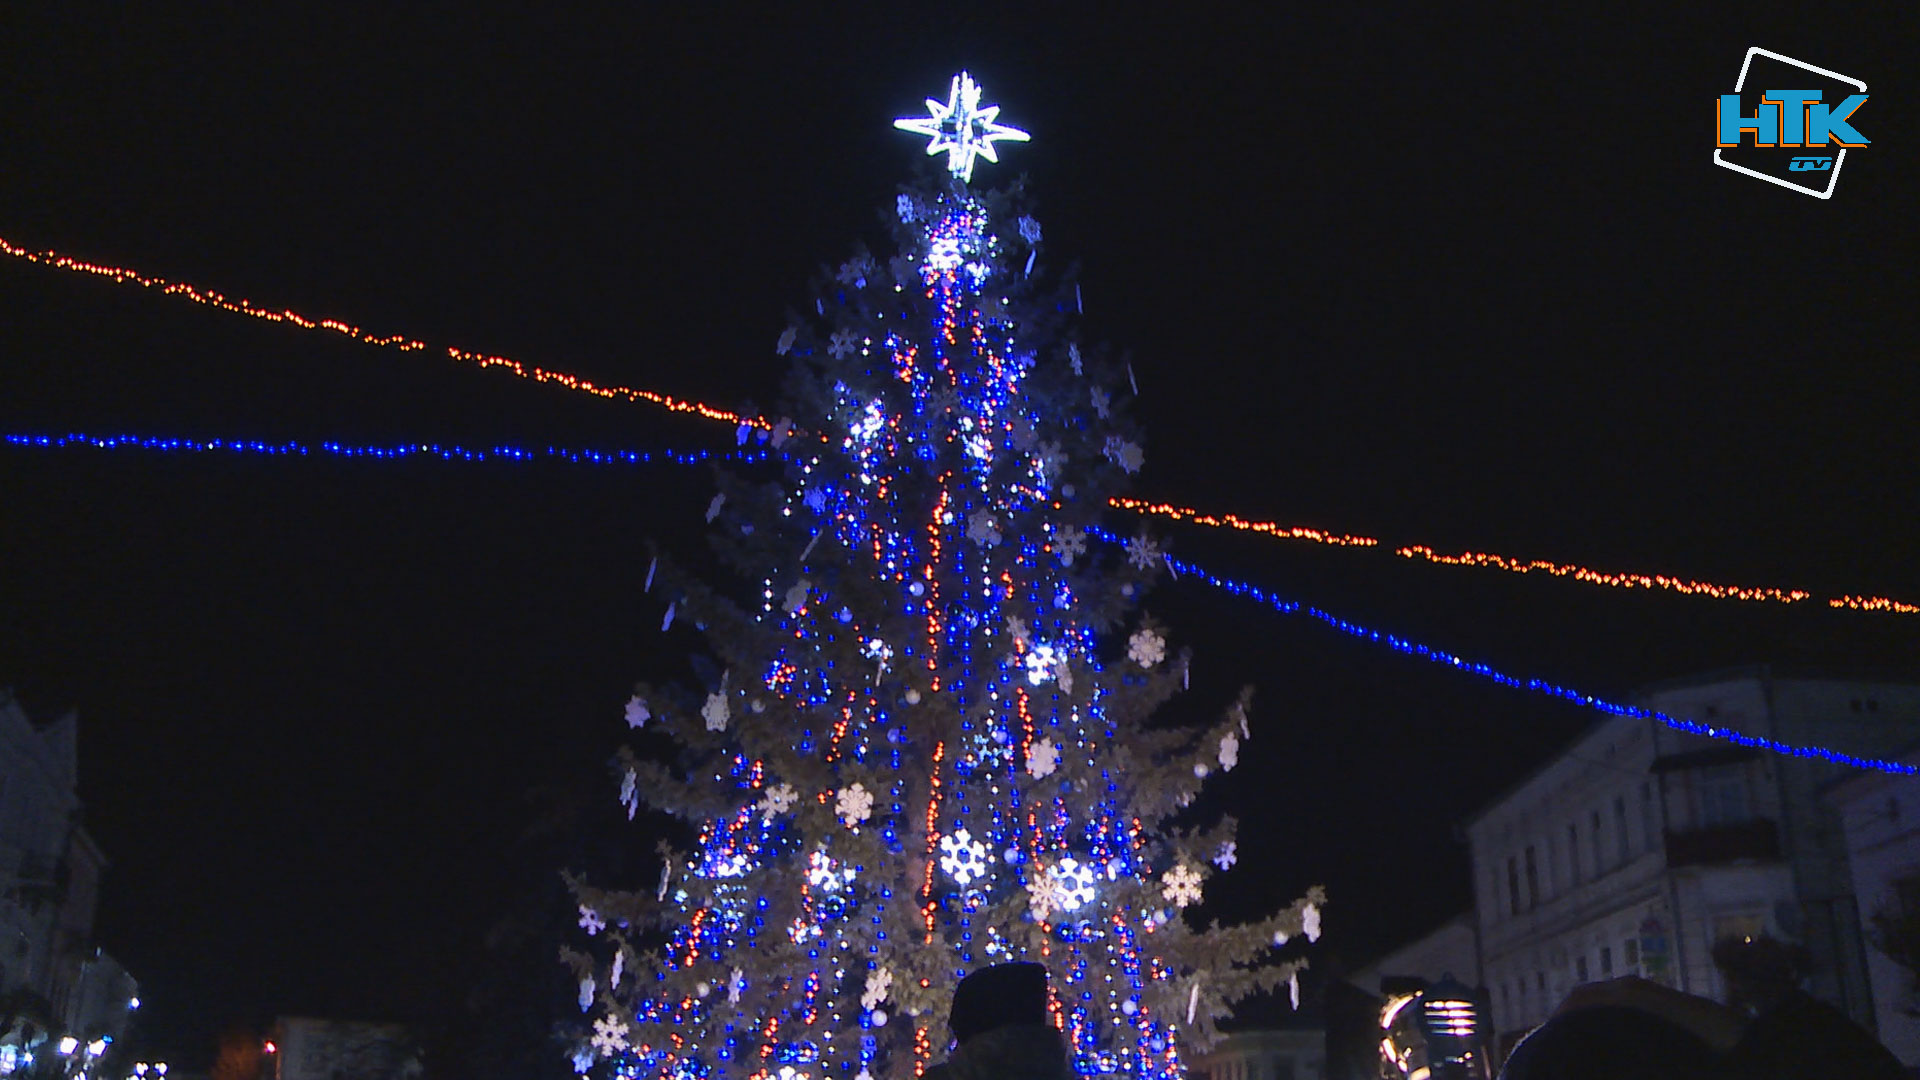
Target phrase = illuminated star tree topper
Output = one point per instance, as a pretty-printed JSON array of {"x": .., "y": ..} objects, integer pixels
[{"x": 961, "y": 127}]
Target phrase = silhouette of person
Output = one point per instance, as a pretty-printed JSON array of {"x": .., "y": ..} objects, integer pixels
[{"x": 1001, "y": 1028}]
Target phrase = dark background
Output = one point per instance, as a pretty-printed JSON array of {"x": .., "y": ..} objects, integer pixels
[{"x": 1445, "y": 278}]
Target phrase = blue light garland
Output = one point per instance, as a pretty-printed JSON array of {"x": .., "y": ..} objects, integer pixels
[
  {"x": 1485, "y": 671},
  {"x": 402, "y": 450}
]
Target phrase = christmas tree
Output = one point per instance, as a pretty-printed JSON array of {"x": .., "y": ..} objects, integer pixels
[{"x": 929, "y": 744}]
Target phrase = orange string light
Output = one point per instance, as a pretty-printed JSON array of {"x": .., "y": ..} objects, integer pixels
[
  {"x": 121, "y": 275},
  {"x": 1519, "y": 566}
]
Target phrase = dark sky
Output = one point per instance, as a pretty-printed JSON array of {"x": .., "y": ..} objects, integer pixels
[{"x": 1468, "y": 281}]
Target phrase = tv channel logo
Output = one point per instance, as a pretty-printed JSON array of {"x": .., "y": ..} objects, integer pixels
[{"x": 1795, "y": 138}]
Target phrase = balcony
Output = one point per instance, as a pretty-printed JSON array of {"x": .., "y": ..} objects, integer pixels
[{"x": 1754, "y": 841}]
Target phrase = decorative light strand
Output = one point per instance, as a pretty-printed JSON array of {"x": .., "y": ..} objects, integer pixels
[
  {"x": 1539, "y": 686},
  {"x": 121, "y": 275},
  {"x": 1519, "y": 566},
  {"x": 400, "y": 450}
]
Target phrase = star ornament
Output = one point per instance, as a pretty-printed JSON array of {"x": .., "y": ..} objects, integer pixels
[{"x": 961, "y": 127}]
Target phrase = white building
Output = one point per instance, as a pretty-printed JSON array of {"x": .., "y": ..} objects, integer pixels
[
  {"x": 1637, "y": 848},
  {"x": 1880, "y": 814},
  {"x": 51, "y": 971},
  {"x": 1452, "y": 949}
]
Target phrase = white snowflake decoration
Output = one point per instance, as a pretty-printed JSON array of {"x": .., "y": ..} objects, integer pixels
[
  {"x": 1142, "y": 553},
  {"x": 1069, "y": 542},
  {"x": 586, "y": 994},
  {"x": 1042, "y": 759},
  {"x": 583, "y": 1060},
  {"x": 1051, "y": 459},
  {"x": 1075, "y": 882},
  {"x": 962, "y": 857},
  {"x": 1043, "y": 897},
  {"x": 840, "y": 345},
  {"x": 1229, "y": 751},
  {"x": 1045, "y": 662},
  {"x": 797, "y": 596},
  {"x": 1228, "y": 855},
  {"x": 1125, "y": 454},
  {"x": 1181, "y": 886},
  {"x": 590, "y": 921},
  {"x": 1102, "y": 402},
  {"x": 904, "y": 205},
  {"x": 778, "y": 800},
  {"x": 716, "y": 712},
  {"x": 879, "y": 981},
  {"x": 853, "y": 805},
  {"x": 637, "y": 713},
  {"x": 982, "y": 529},
  {"x": 854, "y": 272},
  {"x": 736, "y": 983},
  {"x": 1029, "y": 229},
  {"x": 1146, "y": 648},
  {"x": 609, "y": 1036},
  {"x": 826, "y": 874},
  {"x": 785, "y": 344}
]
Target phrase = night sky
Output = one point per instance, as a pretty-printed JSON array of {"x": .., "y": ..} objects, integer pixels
[{"x": 1470, "y": 282}]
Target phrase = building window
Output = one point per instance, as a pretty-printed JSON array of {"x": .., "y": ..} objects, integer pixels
[
  {"x": 1649, "y": 826},
  {"x": 1620, "y": 828},
  {"x": 1533, "y": 880},
  {"x": 1723, "y": 795},
  {"x": 1606, "y": 961},
  {"x": 1630, "y": 953},
  {"x": 1513, "y": 885},
  {"x": 1599, "y": 856},
  {"x": 1573, "y": 853},
  {"x": 1580, "y": 969}
]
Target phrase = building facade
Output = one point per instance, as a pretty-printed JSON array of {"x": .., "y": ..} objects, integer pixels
[
  {"x": 53, "y": 977},
  {"x": 1287, "y": 1054},
  {"x": 1880, "y": 818},
  {"x": 1640, "y": 846}
]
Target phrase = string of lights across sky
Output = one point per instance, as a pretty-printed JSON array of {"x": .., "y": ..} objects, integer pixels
[
  {"x": 1181, "y": 568},
  {"x": 1586, "y": 575}
]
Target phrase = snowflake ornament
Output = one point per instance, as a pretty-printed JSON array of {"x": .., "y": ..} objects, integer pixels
[
  {"x": 1125, "y": 454},
  {"x": 1229, "y": 751},
  {"x": 1142, "y": 553},
  {"x": 1051, "y": 459},
  {"x": 1069, "y": 542},
  {"x": 904, "y": 205},
  {"x": 853, "y": 805},
  {"x": 840, "y": 345},
  {"x": 609, "y": 1036},
  {"x": 963, "y": 858},
  {"x": 879, "y": 981},
  {"x": 1042, "y": 759},
  {"x": 785, "y": 344},
  {"x": 1227, "y": 856},
  {"x": 1146, "y": 648},
  {"x": 716, "y": 712},
  {"x": 1102, "y": 403},
  {"x": 1043, "y": 897},
  {"x": 1074, "y": 881},
  {"x": 778, "y": 800},
  {"x": 982, "y": 529},
  {"x": 583, "y": 1060},
  {"x": 1181, "y": 886},
  {"x": 637, "y": 713},
  {"x": 1029, "y": 229},
  {"x": 590, "y": 921},
  {"x": 736, "y": 983}
]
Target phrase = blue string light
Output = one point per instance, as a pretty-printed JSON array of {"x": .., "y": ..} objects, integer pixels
[
  {"x": 1485, "y": 671},
  {"x": 402, "y": 450}
]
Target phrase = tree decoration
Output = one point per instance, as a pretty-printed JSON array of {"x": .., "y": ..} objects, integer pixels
[
  {"x": 637, "y": 714},
  {"x": 590, "y": 921},
  {"x": 609, "y": 1035},
  {"x": 950, "y": 753},
  {"x": 1229, "y": 751}
]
